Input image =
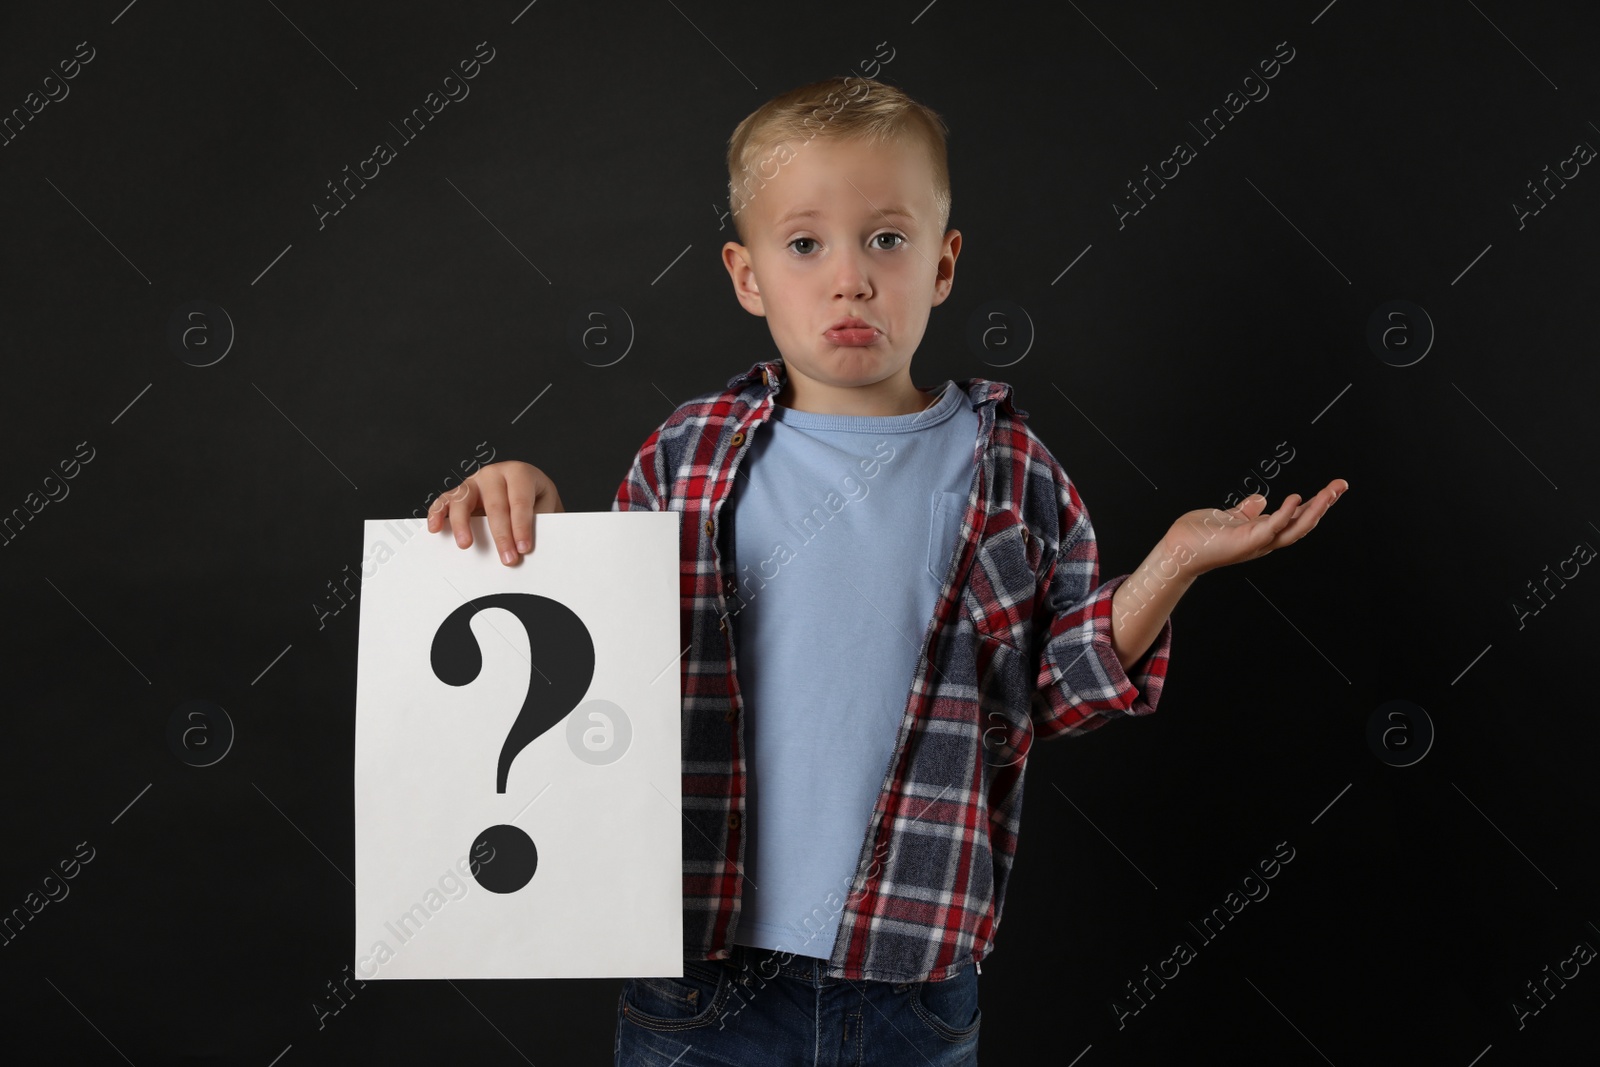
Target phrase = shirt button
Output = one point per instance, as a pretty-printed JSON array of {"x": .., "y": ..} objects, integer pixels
[
  {"x": 708, "y": 526},
  {"x": 1024, "y": 533},
  {"x": 731, "y": 714},
  {"x": 738, "y": 439},
  {"x": 733, "y": 820}
]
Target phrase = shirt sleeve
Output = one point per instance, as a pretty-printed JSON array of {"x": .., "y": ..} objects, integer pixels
[
  {"x": 640, "y": 490},
  {"x": 1081, "y": 682}
]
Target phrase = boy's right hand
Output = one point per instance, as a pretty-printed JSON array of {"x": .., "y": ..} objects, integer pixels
[{"x": 510, "y": 493}]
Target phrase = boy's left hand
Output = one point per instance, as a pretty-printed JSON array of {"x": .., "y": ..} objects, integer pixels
[{"x": 1208, "y": 538}]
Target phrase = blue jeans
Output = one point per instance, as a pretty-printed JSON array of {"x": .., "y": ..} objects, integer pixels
[{"x": 762, "y": 1008}]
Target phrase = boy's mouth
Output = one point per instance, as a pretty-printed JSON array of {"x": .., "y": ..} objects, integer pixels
[{"x": 851, "y": 331}]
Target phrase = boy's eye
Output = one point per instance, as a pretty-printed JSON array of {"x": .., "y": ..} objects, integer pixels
[{"x": 899, "y": 239}]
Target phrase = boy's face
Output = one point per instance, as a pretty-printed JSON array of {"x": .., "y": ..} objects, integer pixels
[{"x": 869, "y": 249}]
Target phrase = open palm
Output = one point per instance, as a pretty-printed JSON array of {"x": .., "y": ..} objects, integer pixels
[{"x": 1208, "y": 538}]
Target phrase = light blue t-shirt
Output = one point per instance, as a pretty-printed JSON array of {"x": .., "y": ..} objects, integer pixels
[{"x": 843, "y": 527}]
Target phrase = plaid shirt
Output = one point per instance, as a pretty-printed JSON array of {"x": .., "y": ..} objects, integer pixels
[{"x": 1019, "y": 647}]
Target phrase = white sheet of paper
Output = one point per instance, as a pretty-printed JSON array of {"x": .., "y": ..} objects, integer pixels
[{"x": 598, "y": 792}]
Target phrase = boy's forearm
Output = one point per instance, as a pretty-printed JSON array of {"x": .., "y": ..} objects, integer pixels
[{"x": 1142, "y": 603}]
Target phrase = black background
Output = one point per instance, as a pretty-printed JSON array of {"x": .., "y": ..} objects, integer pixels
[{"x": 374, "y": 354}]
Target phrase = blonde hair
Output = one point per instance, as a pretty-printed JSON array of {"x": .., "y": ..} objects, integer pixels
[{"x": 842, "y": 107}]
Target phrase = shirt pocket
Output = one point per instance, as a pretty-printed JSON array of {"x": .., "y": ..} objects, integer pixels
[
  {"x": 944, "y": 528},
  {"x": 1002, "y": 586}
]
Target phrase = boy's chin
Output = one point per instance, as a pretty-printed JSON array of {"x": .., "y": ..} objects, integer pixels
[{"x": 847, "y": 365}]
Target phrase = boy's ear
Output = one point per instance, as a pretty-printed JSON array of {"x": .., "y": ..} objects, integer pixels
[
  {"x": 736, "y": 257},
  {"x": 945, "y": 269}
]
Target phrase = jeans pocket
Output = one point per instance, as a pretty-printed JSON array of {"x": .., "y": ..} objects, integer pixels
[
  {"x": 669, "y": 1004},
  {"x": 944, "y": 530},
  {"x": 950, "y": 1008}
]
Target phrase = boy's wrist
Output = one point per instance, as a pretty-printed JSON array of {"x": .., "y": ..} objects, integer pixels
[
  {"x": 1172, "y": 561},
  {"x": 1144, "y": 601}
]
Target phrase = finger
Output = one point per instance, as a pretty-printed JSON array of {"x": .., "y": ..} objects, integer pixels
[
  {"x": 463, "y": 502},
  {"x": 1267, "y": 530},
  {"x": 1329, "y": 494},
  {"x": 439, "y": 511},
  {"x": 1332, "y": 491},
  {"x": 524, "y": 502},
  {"x": 497, "y": 507},
  {"x": 1252, "y": 505},
  {"x": 549, "y": 500},
  {"x": 1323, "y": 500},
  {"x": 1305, "y": 518},
  {"x": 541, "y": 499}
]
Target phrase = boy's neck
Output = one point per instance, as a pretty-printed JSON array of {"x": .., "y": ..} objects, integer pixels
[{"x": 892, "y": 396}]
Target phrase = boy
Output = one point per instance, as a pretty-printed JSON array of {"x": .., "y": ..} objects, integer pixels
[{"x": 908, "y": 595}]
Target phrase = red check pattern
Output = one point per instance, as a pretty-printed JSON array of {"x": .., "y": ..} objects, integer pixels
[{"x": 1019, "y": 647}]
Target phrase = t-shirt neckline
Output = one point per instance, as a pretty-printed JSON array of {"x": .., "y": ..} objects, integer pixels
[{"x": 948, "y": 403}]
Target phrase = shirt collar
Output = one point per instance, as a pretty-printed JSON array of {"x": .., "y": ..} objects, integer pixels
[{"x": 769, "y": 374}]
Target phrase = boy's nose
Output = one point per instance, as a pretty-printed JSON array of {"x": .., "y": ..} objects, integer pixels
[{"x": 851, "y": 279}]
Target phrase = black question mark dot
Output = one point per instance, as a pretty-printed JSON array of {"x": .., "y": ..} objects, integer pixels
[{"x": 513, "y": 859}]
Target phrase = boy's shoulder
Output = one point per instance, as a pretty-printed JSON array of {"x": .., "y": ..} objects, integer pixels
[{"x": 736, "y": 400}]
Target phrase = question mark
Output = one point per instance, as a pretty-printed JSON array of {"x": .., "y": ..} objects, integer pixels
[{"x": 457, "y": 660}]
